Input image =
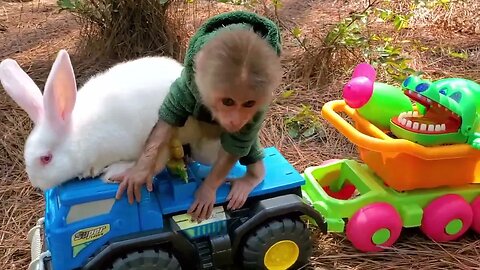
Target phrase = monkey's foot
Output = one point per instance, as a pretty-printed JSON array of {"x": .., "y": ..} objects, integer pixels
[
  {"x": 116, "y": 169},
  {"x": 240, "y": 190}
]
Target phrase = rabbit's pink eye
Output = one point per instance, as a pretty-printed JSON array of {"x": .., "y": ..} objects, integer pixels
[{"x": 46, "y": 159}]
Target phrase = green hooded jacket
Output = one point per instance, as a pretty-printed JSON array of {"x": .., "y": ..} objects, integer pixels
[{"x": 184, "y": 100}]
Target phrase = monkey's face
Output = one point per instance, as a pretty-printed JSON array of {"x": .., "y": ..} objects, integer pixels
[
  {"x": 233, "y": 112},
  {"x": 236, "y": 73}
]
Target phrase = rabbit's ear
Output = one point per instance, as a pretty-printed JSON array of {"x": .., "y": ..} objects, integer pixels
[
  {"x": 60, "y": 91},
  {"x": 21, "y": 88}
]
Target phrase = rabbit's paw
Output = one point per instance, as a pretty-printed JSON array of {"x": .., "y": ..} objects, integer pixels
[
  {"x": 116, "y": 169},
  {"x": 90, "y": 173}
]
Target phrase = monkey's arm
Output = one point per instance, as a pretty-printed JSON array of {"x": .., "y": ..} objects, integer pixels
[
  {"x": 256, "y": 170},
  {"x": 178, "y": 104},
  {"x": 220, "y": 169},
  {"x": 144, "y": 167},
  {"x": 174, "y": 111},
  {"x": 255, "y": 154},
  {"x": 159, "y": 138}
]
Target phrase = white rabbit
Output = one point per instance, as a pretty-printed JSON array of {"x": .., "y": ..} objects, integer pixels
[{"x": 100, "y": 129}]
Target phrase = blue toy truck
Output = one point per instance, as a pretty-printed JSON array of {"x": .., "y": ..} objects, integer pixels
[{"x": 84, "y": 227}]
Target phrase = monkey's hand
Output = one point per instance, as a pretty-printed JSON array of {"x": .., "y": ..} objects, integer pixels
[
  {"x": 132, "y": 180},
  {"x": 153, "y": 159},
  {"x": 241, "y": 187},
  {"x": 205, "y": 198},
  {"x": 240, "y": 190}
]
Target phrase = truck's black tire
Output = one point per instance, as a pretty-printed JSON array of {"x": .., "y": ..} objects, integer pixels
[
  {"x": 147, "y": 260},
  {"x": 288, "y": 230}
]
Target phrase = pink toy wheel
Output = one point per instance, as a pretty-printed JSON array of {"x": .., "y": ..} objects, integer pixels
[
  {"x": 476, "y": 215},
  {"x": 374, "y": 226},
  {"x": 446, "y": 218}
]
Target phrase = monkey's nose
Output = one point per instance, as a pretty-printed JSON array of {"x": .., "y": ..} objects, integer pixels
[{"x": 234, "y": 126}]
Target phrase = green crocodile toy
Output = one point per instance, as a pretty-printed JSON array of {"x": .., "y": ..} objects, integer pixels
[{"x": 448, "y": 112}]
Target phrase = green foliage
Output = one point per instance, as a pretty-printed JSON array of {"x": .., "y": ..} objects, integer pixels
[
  {"x": 352, "y": 34},
  {"x": 127, "y": 29},
  {"x": 461, "y": 55},
  {"x": 348, "y": 33},
  {"x": 70, "y": 5},
  {"x": 433, "y": 3},
  {"x": 288, "y": 93},
  {"x": 245, "y": 3},
  {"x": 399, "y": 21},
  {"x": 277, "y": 3},
  {"x": 79, "y": 5},
  {"x": 383, "y": 52},
  {"x": 389, "y": 57},
  {"x": 303, "y": 124}
]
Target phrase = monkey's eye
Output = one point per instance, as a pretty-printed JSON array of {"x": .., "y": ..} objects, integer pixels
[
  {"x": 249, "y": 104},
  {"x": 228, "y": 102}
]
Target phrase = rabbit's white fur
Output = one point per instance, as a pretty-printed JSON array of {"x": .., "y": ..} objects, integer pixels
[{"x": 100, "y": 129}]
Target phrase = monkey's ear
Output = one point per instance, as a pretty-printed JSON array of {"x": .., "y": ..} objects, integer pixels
[{"x": 198, "y": 59}]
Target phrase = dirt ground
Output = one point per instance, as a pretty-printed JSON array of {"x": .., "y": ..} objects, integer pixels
[{"x": 33, "y": 32}]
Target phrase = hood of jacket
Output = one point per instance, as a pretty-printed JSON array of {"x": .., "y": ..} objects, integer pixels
[{"x": 263, "y": 26}]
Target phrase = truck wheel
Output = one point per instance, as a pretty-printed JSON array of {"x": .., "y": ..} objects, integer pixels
[
  {"x": 278, "y": 245},
  {"x": 146, "y": 260},
  {"x": 476, "y": 215},
  {"x": 374, "y": 226},
  {"x": 446, "y": 218}
]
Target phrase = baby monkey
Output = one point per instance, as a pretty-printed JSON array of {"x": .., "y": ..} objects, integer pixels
[{"x": 229, "y": 86}]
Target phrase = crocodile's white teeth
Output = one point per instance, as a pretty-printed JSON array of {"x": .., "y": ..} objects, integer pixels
[{"x": 413, "y": 125}]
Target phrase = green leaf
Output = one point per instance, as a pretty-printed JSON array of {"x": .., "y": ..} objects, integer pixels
[
  {"x": 309, "y": 132},
  {"x": 374, "y": 37},
  {"x": 388, "y": 39},
  {"x": 277, "y": 3},
  {"x": 296, "y": 31},
  {"x": 385, "y": 14},
  {"x": 293, "y": 132},
  {"x": 288, "y": 93},
  {"x": 410, "y": 71},
  {"x": 400, "y": 22},
  {"x": 461, "y": 55},
  {"x": 418, "y": 73},
  {"x": 66, "y": 4}
]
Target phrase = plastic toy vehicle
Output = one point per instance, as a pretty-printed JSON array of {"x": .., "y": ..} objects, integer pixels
[
  {"x": 86, "y": 228},
  {"x": 450, "y": 114},
  {"x": 401, "y": 184}
]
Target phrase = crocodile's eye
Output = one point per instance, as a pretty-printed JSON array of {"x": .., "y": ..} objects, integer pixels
[
  {"x": 422, "y": 87},
  {"x": 457, "y": 96},
  {"x": 407, "y": 81},
  {"x": 443, "y": 91}
]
